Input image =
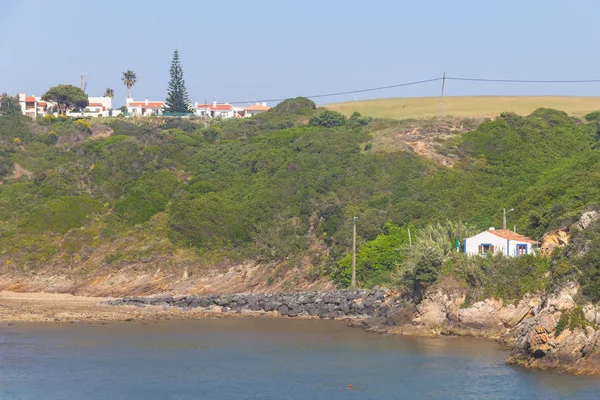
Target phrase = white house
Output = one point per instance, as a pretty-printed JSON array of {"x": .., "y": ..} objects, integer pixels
[
  {"x": 33, "y": 106},
  {"x": 250, "y": 111},
  {"x": 144, "y": 108},
  {"x": 499, "y": 241},
  {"x": 215, "y": 110},
  {"x": 97, "y": 107}
]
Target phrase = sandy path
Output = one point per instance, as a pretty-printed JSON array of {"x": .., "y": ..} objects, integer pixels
[{"x": 53, "y": 307}]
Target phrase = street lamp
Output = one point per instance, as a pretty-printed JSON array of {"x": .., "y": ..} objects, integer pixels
[{"x": 504, "y": 212}]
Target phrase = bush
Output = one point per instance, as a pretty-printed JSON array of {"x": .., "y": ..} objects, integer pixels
[
  {"x": 328, "y": 119},
  {"x": 376, "y": 259},
  {"x": 594, "y": 116},
  {"x": 61, "y": 214},
  {"x": 297, "y": 106},
  {"x": 571, "y": 320},
  {"x": 83, "y": 125}
]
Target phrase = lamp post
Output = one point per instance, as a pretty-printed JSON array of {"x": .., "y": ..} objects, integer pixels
[{"x": 504, "y": 212}]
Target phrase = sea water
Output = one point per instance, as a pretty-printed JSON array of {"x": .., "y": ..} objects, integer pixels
[{"x": 246, "y": 358}]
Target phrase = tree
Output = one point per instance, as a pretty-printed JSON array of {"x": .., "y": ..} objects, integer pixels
[
  {"x": 109, "y": 93},
  {"x": 328, "y": 119},
  {"x": 129, "y": 79},
  {"x": 9, "y": 105},
  {"x": 66, "y": 97},
  {"x": 178, "y": 99}
]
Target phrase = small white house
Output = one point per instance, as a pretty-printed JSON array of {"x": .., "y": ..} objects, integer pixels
[
  {"x": 215, "y": 110},
  {"x": 97, "y": 107},
  {"x": 250, "y": 111},
  {"x": 499, "y": 241},
  {"x": 33, "y": 106},
  {"x": 144, "y": 108}
]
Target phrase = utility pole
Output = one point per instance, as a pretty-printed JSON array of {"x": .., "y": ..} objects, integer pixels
[
  {"x": 504, "y": 212},
  {"x": 205, "y": 114},
  {"x": 442, "y": 95},
  {"x": 354, "y": 254},
  {"x": 82, "y": 83}
]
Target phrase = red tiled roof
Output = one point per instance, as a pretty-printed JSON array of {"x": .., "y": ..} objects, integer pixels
[
  {"x": 256, "y": 107},
  {"x": 510, "y": 235},
  {"x": 218, "y": 107},
  {"x": 42, "y": 104},
  {"x": 95, "y": 105},
  {"x": 30, "y": 99},
  {"x": 151, "y": 104}
]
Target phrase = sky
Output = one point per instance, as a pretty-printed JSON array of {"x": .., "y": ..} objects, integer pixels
[{"x": 257, "y": 50}]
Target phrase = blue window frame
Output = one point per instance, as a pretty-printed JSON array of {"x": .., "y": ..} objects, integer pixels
[
  {"x": 521, "y": 250},
  {"x": 486, "y": 248}
]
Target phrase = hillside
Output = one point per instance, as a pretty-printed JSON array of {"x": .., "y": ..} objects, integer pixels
[
  {"x": 150, "y": 205},
  {"x": 466, "y": 106}
]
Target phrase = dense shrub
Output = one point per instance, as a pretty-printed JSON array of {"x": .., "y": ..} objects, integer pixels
[
  {"x": 63, "y": 213},
  {"x": 328, "y": 119},
  {"x": 297, "y": 106}
]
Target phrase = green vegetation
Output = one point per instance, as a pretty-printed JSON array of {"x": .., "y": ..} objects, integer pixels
[
  {"x": 284, "y": 185},
  {"x": 178, "y": 100},
  {"x": 129, "y": 79},
  {"x": 9, "y": 105},
  {"x": 66, "y": 97},
  {"x": 571, "y": 320},
  {"x": 499, "y": 276}
]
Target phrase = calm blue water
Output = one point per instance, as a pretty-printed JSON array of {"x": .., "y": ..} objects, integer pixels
[{"x": 260, "y": 359}]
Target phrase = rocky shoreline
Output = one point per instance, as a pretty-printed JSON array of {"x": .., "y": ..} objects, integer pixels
[
  {"x": 337, "y": 304},
  {"x": 531, "y": 329}
]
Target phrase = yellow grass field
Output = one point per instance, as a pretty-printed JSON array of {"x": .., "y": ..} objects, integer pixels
[{"x": 466, "y": 106}]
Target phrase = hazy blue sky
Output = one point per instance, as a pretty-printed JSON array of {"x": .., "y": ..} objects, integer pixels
[{"x": 251, "y": 50}]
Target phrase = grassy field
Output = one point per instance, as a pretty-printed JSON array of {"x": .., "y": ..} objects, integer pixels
[{"x": 466, "y": 106}]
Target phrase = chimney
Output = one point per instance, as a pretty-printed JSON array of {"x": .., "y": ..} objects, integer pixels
[
  {"x": 264, "y": 103},
  {"x": 196, "y": 104},
  {"x": 492, "y": 228},
  {"x": 146, "y": 101},
  {"x": 128, "y": 100},
  {"x": 214, "y": 103}
]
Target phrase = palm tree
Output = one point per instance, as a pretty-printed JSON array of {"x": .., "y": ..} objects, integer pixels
[
  {"x": 129, "y": 79},
  {"x": 109, "y": 93}
]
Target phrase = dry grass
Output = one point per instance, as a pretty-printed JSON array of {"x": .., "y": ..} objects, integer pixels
[{"x": 463, "y": 106}]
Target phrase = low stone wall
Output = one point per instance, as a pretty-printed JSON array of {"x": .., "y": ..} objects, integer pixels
[{"x": 333, "y": 304}]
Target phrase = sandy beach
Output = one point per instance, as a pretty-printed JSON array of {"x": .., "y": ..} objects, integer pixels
[{"x": 58, "y": 307}]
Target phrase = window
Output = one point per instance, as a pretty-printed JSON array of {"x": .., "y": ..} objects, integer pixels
[
  {"x": 521, "y": 249},
  {"x": 486, "y": 248}
]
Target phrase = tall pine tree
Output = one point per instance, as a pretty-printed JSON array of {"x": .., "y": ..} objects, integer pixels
[{"x": 178, "y": 99}]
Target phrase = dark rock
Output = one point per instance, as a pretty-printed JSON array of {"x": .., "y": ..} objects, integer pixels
[
  {"x": 204, "y": 302},
  {"x": 222, "y": 302},
  {"x": 283, "y": 310}
]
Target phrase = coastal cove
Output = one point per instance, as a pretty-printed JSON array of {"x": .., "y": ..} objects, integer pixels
[{"x": 251, "y": 358}]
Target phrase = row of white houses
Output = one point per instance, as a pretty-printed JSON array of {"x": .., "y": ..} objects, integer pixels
[
  {"x": 211, "y": 110},
  {"x": 34, "y": 106}
]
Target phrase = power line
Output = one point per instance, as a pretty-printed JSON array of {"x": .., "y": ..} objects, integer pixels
[
  {"x": 428, "y": 81},
  {"x": 351, "y": 91},
  {"x": 523, "y": 80}
]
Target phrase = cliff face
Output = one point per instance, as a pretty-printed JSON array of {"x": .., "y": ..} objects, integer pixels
[{"x": 542, "y": 331}]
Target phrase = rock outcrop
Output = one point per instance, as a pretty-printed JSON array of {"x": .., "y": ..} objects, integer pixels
[{"x": 559, "y": 335}]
